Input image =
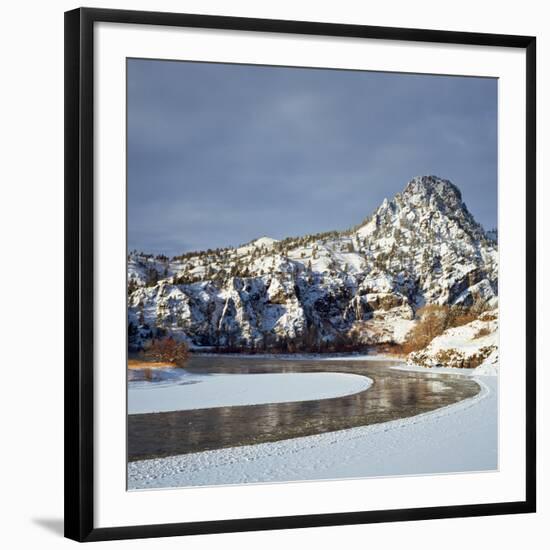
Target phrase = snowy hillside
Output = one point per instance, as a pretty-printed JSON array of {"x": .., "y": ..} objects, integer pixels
[{"x": 362, "y": 285}]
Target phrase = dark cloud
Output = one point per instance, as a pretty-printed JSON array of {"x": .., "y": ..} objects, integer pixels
[{"x": 220, "y": 154}]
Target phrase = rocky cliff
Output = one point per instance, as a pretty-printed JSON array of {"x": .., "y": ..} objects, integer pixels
[{"x": 363, "y": 285}]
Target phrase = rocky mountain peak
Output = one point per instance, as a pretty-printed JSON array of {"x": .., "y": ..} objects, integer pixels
[
  {"x": 429, "y": 205},
  {"x": 425, "y": 187},
  {"x": 434, "y": 194}
]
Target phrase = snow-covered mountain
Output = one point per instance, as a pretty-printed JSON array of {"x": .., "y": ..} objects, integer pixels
[{"x": 423, "y": 246}]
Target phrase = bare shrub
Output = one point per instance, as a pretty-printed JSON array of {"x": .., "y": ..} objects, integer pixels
[
  {"x": 459, "y": 316},
  {"x": 448, "y": 357},
  {"x": 168, "y": 349},
  {"x": 484, "y": 331},
  {"x": 433, "y": 321},
  {"x": 489, "y": 316}
]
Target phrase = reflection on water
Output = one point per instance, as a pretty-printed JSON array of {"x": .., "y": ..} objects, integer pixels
[{"x": 394, "y": 394}]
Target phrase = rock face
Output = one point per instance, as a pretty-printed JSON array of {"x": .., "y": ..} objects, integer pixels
[{"x": 421, "y": 247}]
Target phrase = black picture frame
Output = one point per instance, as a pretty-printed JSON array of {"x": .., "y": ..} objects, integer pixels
[{"x": 79, "y": 269}]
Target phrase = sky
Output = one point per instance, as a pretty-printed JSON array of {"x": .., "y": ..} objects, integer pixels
[{"x": 221, "y": 154}]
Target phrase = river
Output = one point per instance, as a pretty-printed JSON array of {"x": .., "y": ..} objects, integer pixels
[{"x": 394, "y": 394}]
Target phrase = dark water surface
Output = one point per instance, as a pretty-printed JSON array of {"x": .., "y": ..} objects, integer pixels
[{"x": 394, "y": 394}]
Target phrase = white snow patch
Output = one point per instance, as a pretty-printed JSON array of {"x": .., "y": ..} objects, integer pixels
[
  {"x": 266, "y": 242},
  {"x": 228, "y": 390}
]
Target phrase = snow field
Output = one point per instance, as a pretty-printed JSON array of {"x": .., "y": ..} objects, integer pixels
[{"x": 228, "y": 390}]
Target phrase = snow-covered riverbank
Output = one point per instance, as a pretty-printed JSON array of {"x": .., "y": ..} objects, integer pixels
[
  {"x": 226, "y": 390},
  {"x": 458, "y": 438},
  {"x": 486, "y": 369}
]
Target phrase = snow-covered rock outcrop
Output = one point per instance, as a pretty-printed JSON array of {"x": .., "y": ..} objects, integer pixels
[
  {"x": 471, "y": 346},
  {"x": 421, "y": 247}
]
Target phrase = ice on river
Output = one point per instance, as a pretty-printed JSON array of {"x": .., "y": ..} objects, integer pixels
[{"x": 227, "y": 390}]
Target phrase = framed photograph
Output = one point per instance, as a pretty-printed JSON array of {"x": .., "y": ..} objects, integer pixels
[{"x": 300, "y": 274}]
